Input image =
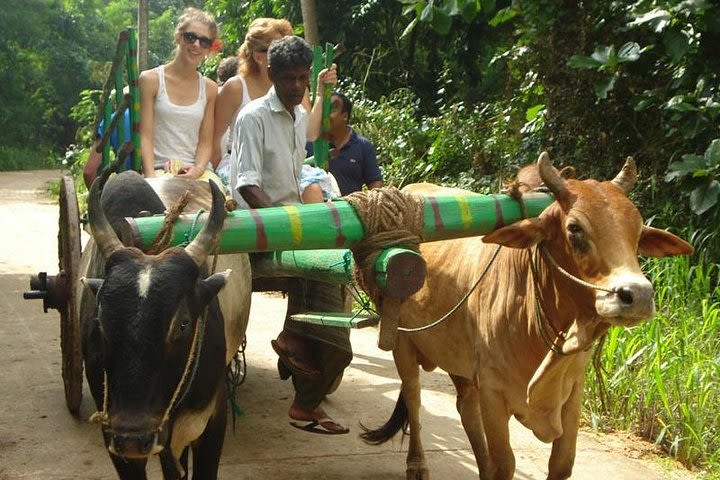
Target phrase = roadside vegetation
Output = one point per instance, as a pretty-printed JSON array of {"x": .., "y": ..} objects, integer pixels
[{"x": 463, "y": 92}]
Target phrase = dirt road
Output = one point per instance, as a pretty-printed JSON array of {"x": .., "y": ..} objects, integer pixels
[{"x": 39, "y": 439}]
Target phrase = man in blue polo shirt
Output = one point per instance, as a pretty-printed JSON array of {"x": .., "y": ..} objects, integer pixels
[{"x": 352, "y": 159}]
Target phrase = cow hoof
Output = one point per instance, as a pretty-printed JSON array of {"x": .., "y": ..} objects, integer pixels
[{"x": 417, "y": 473}]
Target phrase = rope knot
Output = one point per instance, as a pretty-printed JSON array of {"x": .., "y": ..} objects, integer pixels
[{"x": 390, "y": 218}]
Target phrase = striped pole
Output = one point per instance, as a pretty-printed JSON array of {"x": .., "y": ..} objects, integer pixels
[
  {"x": 337, "y": 225},
  {"x": 132, "y": 75}
]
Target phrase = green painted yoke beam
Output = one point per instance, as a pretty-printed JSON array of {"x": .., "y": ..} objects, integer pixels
[
  {"x": 337, "y": 225},
  {"x": 398, "y": 272}
]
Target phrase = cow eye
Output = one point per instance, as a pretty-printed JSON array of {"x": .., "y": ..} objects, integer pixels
[
  {"x": 574, "y": 229},
  {"x": 577, "y": 237}
]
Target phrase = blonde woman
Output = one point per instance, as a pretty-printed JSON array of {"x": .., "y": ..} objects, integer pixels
[
  {"x": 251, "y": 82},
  {"x": 177, "y": 102}
]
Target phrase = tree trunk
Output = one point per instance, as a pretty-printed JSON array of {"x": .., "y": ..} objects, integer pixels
[
  {"x": 309, "y": 14},
  {"x": 143, "y": 10}
]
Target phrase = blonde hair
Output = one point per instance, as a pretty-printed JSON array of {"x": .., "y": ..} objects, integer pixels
[
  {"x": 192, "y": 14},
  {"x": 260, "y": 33}
]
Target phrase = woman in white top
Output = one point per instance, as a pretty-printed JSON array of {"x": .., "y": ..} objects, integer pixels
[
  {"x": 251, "y": 82},
  {"x": 177, "y": 103}
]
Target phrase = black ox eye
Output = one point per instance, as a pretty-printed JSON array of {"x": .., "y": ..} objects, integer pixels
[
  {"x": 577, "y": 238},
  {"x": 574, "y": 229}
]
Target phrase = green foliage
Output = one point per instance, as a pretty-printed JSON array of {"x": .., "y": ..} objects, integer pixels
[
  {"x": 662, "y": 378},
  {"x": 608, "y": 62},
  {"x": 699, "y": 175},
  {"x": 19, "y": 158},
  {"x": 459, "y": 146}
]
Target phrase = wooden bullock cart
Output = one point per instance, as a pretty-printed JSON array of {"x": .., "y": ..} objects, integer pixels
[{"x": 306, "y": 241}]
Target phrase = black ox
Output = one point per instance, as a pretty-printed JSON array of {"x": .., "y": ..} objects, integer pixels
[{"x": 160, "y": 330}]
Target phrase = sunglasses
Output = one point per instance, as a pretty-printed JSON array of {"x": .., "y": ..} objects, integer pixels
[{"x": 191, "y": 37}]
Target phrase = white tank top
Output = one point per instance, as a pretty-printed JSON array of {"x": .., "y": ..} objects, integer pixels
[
  {"x": 177, "y": 127},
  {"x": 227, "y": 138}
]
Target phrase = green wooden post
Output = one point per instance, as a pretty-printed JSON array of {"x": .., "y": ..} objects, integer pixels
[
  {"x": 321, "y": 147},
  {"x": 105, "y": 107},
  {"x": 337, "y": 225},
  {"x": 119, "y": 86},
  {"x": 107, "y": 110},
  {"x": 132, "y": 75},
  {"x": 398, "y": 271}
]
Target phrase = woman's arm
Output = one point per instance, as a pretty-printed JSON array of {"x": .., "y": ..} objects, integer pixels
[
  {"x": 228, "y": 100},
  {"x": 204, "y": 146},
  {"x": 149, "y": 84},
  {"x": 327, "y": 76}
]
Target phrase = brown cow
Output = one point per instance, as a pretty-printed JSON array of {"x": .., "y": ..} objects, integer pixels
[{"x": 521, "y": 341}]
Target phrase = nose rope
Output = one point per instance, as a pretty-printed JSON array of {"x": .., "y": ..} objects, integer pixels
[
  {"x": 182, "y": 388},
  {"x": 572, "y": 277},
  {"x": 540, "y": 326}
]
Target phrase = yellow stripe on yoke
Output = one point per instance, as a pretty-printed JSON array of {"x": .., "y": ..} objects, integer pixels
[
  {"x": 465, "y": 215},
  {"x": 295, "y": 223}
]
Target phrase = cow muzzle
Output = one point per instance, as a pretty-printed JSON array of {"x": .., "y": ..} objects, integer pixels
[
  {"x": 630, "y": 302},
  {"x": 135, "y": 444}
]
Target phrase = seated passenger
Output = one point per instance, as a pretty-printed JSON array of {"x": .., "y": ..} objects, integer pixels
[{"x": 177, "y": 103}]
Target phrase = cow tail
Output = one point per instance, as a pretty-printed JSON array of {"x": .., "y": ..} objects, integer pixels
[{"x": 397, "y": 421}]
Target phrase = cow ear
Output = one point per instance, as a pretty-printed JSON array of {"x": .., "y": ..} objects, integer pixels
[
  {"x": 659, "y": 243},
  {"x": 523, "y": 234},
  {"x": 210, "y": 287}
]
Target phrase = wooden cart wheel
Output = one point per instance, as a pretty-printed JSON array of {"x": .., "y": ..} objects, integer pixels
[{"x": 69, "y": 250}]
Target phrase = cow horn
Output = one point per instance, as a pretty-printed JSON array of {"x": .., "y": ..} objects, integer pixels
[
  {"x": 551, "y": 178},
  {"x": 102, "y": 231},
  {"x": 201, "y": 245},
  {"x": 627, "y": 177}
]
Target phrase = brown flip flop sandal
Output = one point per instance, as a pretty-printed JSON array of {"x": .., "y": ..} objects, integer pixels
[{"x": 316, "y": 426}]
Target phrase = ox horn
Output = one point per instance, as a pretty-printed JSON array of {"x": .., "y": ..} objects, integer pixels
[
  {"x": 102, "y": 231},
  {"x": 201, "y": 245},
  {"x": 627, "y": 177},
  {"x": 551, "y": 178}
]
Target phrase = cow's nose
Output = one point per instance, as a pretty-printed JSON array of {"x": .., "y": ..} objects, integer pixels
[
  {"x": 625, "y": 294},
  {"x": 133, "y": 445}
]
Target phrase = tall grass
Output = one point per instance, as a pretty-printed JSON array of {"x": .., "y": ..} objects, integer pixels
[{"x": 662, "y": 379}]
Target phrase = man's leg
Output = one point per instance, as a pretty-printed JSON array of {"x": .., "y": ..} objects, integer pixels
[{"x": 328, "y": 348}]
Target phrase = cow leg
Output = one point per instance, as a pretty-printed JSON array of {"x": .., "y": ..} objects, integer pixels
[
  {"x": 562, "y": 457},
  {"x": 468, "y": 406},
  {"x": 207, "y": 448},
  {"x": 409, "y": 371},
  {"x": 171, "y": 467},
  {"x": 501, "y": 465},
  {"x": 128, "y": 469}
]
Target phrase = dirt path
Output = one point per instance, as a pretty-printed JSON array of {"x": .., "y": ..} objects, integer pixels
[{"x": 39, "y": 439}]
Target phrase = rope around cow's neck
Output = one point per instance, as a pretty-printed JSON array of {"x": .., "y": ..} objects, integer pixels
[
  {"x": 457, "y": 305},
  {"x": 560, "y": 336}
]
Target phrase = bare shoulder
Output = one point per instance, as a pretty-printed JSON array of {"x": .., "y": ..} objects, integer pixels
[
  {"x": 426, "y": 188},
  {"x": 148, "y": 80},
  {"x": 232, "y": 87},
  {"x": 211, "y": 87}
]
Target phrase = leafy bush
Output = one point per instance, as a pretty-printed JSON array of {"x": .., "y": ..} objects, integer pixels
[
  {"x": 19, "y": 158},
  {"x": 463, "y": 146}
]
